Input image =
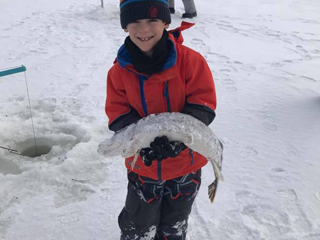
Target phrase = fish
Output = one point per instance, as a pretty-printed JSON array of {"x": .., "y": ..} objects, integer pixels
[{"x": 177, "y": 127}]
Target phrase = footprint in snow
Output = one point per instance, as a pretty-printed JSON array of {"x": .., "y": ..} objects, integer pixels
[
  {"x": 268, "y": 125},
  {"x": 278, "y": 175},
  {"x": 249, "y": 151},
  {"x": 200, "y": 45},
  {"x": 229, "y": 84},
  {"x": 309, "y": 79},
  {"x": 79, "y": 88},
  {"x": 262, "y": 214},
  {"x": 303, "y": 52},
  {"x": 268, "y": 217},
  {"x": 289, "y": 200}
]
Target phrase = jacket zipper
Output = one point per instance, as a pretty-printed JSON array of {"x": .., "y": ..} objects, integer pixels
[
  {"x": 159, "y": 170},
  {"x": 191, "y": 154},
  {"x": 142, "y": 79},
  {"x": 166, "y": 94},
  {"x": 143, "y": 98}
]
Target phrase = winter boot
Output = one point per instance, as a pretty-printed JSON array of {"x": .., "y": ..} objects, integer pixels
[{"x": 189, "y": 15}]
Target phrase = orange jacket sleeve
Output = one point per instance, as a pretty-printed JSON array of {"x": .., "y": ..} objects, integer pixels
[
  {"x": 117, "y": 108},
  {"x": 200, "y": 89}
]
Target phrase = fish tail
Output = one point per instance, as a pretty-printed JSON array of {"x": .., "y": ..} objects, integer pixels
[
  {"x": 216, "y": 169},
  {"x": 212, "y": 189}
]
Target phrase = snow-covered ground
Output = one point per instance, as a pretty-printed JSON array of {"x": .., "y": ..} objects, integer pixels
[{"x": 265, "y": 58}]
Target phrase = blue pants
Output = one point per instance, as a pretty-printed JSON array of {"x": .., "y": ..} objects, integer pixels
[{"x": 158, "y": 210}]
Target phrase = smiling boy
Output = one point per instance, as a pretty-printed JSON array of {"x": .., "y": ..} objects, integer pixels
[
  {"x": 155, "y": 73},
  {"x": 146, "y": 33}
]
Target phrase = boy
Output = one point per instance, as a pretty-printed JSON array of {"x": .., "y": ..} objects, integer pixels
[{"x": 155, "y": 73}]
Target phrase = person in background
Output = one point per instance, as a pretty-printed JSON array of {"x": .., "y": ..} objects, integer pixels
[
  {"x": 189, "y": 8},
  {"x": 154, "y": 73}
]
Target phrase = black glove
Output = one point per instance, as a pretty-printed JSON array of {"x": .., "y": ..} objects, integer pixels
[
  {"x": 172, "y": 149},
  {"x": 161, "y": 148},
  {"x": 164, "y": 148},
  {"x": 147, "y": 155}
]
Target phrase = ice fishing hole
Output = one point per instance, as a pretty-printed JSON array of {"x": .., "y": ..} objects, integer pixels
[
  {"x": 34, "y": 147},
  {"x": 47, "y": 147},
  {"x": 36, "y": 151}
]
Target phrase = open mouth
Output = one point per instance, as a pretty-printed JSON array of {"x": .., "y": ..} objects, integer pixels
[{"x": 144, "y": 39}]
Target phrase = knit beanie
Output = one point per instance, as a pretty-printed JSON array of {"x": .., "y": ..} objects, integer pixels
[{"x": 133, "y": 10}]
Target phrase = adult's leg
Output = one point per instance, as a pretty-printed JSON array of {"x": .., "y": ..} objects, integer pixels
[
  {"x": 176, "y": 206},
  {"x": 140, "y": 217},
  {"x": 189, "y": 6}
]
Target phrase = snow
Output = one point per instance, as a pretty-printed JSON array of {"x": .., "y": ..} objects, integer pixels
[{"x": 264, "y": 56}]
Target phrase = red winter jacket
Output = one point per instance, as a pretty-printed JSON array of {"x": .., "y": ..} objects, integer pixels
[{"x": 184, "y": 85}]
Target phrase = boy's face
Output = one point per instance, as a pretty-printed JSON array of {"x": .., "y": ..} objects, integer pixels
[{"x": 145, "y": 33}]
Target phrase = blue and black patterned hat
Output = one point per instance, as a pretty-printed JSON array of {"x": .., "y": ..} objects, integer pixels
[{"x": 133, "y": 10}]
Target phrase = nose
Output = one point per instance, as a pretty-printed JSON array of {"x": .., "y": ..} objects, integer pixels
[{"x": 144, "y": 27}]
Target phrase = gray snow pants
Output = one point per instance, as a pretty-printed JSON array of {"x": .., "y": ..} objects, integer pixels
[
  {"x": 189, "y": 6},
  {"x": 158, "y": 210}
]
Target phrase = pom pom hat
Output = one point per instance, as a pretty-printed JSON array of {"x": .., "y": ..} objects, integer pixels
[{"x": 133, "y": 10}]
